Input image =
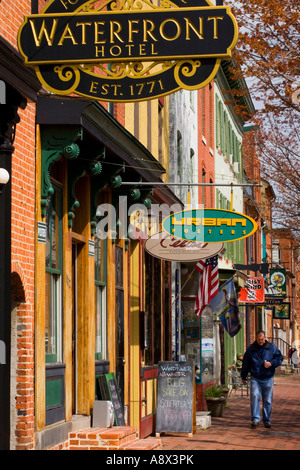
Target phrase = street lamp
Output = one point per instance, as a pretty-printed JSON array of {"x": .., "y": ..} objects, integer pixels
[
  {"x": 10, "y": 101},
  {"x": 4, "y": 178}
]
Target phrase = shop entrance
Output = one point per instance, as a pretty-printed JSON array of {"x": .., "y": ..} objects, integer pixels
[
  {"x": 120, "y": 360},
  {"x": 76, "y": 249}
]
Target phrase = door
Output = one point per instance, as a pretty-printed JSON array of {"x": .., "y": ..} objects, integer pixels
[
  {"x": 120, "y": 360},
  {"x": 74, "y": 320}
]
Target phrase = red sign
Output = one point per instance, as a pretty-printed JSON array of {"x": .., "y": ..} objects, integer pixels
[{"x": 253, "y": 292}]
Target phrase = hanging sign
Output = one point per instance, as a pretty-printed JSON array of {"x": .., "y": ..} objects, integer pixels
[
  {"x": 209, "y": 225},
  {"x": 282, "y": 312},
  {"x": 278, "y": 281},
  {"x": 126, "y": 50},
  {"x": 253, "y": 292},
  {"x": 162, "y": 245}
]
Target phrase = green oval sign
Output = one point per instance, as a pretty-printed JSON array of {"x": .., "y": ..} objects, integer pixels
[{"x": 209, "y": 225}]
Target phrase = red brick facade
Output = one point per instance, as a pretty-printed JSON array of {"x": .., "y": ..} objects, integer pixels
[
  {"x": 206, "y": 144},
  {"x": 22, "y": 250}
]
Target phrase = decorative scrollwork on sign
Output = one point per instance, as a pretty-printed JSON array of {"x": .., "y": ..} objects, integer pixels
[
  {"x": 67, "y": 76},
  {"x": 184, "y": 70},
  {"x": 132, "y": 69},
  {"x": 128, "y": 5}
]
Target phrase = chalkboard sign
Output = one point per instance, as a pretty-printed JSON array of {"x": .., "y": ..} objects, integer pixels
[
  {"x": 109, "y": 391},
  {"x": 175, "y": 397}
]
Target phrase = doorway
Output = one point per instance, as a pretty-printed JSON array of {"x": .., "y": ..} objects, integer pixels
[
  {"x": 74, "y": 324},
  {"x": 120, "y": 360},
  {"x": 76, "y": 249}
]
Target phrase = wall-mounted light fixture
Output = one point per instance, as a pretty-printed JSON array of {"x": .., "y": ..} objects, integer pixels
[{"x": 4, "y": 178}]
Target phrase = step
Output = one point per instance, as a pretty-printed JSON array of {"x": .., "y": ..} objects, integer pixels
[
  {"x": 102, "y": 438},
  {"x": 115, "y": 438},
  {"x": 143, "y": 444},
  {"x": 203, "y": 419}
]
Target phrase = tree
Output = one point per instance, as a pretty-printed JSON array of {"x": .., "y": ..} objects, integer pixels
[
  {"x": 280, "y": 165},
  {"x": 268, "y": 52},
  {"x": 267, "y": 56}
]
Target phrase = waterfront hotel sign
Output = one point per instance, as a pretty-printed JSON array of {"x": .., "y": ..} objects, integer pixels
[{"x": 127, "y": 50}]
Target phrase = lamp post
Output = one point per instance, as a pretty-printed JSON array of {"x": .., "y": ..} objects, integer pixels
[
  {"x": 5, "y": 292},
  {"x": 11, "y": 100}
]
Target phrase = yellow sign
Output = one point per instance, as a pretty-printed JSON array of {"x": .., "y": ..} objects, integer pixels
[{"x": 209, "y": 225}]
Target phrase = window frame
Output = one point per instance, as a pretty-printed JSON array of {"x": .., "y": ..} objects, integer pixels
[{"x": 55, "y": 306}]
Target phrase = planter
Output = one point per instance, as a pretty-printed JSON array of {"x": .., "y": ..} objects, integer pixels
[
  {"x": 215, "y": 406},
  {"x": 225, "y": 392}
]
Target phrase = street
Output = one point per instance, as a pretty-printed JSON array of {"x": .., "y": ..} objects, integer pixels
[{"x": 232, "y": 431}]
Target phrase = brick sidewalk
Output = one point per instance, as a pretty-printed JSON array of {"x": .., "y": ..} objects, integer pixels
[{"x": 232, "y": 431}]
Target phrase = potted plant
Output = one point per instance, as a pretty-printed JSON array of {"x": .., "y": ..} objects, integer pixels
[
  {"x": 214, "y": 400},
  {"x": 224, "y": 391}
]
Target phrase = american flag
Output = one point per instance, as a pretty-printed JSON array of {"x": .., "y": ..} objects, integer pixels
[{"x": 209, "y": 283}]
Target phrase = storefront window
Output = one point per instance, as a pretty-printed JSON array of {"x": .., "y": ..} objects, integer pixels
[
  {"x": 53, "y": 321},
  {"x": 190, "y": 333},
  {"x": 157, "y": 300},
  {"x": 207, "y": 346},
  {"x": 101, "y": 313},
  {"x": 197, "y": 342},
  {"x": 197, "y": 339}
]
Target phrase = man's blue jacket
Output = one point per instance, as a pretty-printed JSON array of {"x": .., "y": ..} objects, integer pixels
[{"x": 254, "y": 359}]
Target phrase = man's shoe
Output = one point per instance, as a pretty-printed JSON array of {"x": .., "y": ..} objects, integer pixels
[
  {"x": 267, "y": 425},
  {"x": 254, "y": 425}
]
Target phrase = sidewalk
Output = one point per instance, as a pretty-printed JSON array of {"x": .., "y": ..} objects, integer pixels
[{"x": 232, "y": 431}]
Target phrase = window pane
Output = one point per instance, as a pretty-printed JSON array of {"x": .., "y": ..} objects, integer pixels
[
  {"x": 48, "y": 234},
  {"x": 52, "y": 318},
  {"x": 148, "y": 306},
  {"x": 100, "y": 322},
  {"x": 207, "y": 345},
  {"x": 190, "y": 334},
  {"x": 100, "y": 258},
  {"x": 157, "y": 320},
  {"x": 53, "y": 231}
]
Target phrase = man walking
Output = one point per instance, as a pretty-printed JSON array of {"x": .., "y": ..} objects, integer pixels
[{"x": 261, "y": 360}]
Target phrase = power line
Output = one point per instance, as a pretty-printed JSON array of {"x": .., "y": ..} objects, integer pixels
[{"x": 161, "y": 183}]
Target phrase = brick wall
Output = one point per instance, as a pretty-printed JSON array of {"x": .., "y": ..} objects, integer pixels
[
  {"x": 22, "y": 247},
  {"x": 118, "y": 438},
  {"x": 22, "y": 250},
  {"x": 206, "y": 144},
  {"x": 200, "y": 399},
  {"x": 11, "y": 16}
]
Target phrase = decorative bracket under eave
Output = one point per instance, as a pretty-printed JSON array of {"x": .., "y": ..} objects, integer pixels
[
  {"x": 109, "y": 177},
  {"x": 56, "y": 142}
]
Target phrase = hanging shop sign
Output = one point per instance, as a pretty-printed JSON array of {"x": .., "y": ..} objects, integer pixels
[
  {"x": 126, "y": 50},
  {"x": 272, "y": 301},
  {"x": 163, "y": 246},
  {"x": 253, "y": 292},
  {"x": 209, "y": 225},
  {"x": 278, "y": 281},
  {"x": 282, "y": 312}
]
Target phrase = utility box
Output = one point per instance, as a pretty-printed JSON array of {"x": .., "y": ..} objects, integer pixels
[{"x": 103, "y": 414}]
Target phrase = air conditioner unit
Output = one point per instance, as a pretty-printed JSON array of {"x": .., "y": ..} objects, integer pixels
[
  {"x": 103, "y": 414},
  {"x": 236, "y": 167}
]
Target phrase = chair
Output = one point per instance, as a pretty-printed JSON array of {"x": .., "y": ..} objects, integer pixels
[{"x": 235, "y": 383}]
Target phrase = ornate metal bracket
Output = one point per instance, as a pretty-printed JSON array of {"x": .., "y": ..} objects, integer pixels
[{"x": 56, "y": 143}]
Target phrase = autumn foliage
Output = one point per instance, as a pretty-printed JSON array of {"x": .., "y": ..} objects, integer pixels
[{"x": 267, "y": 56}]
